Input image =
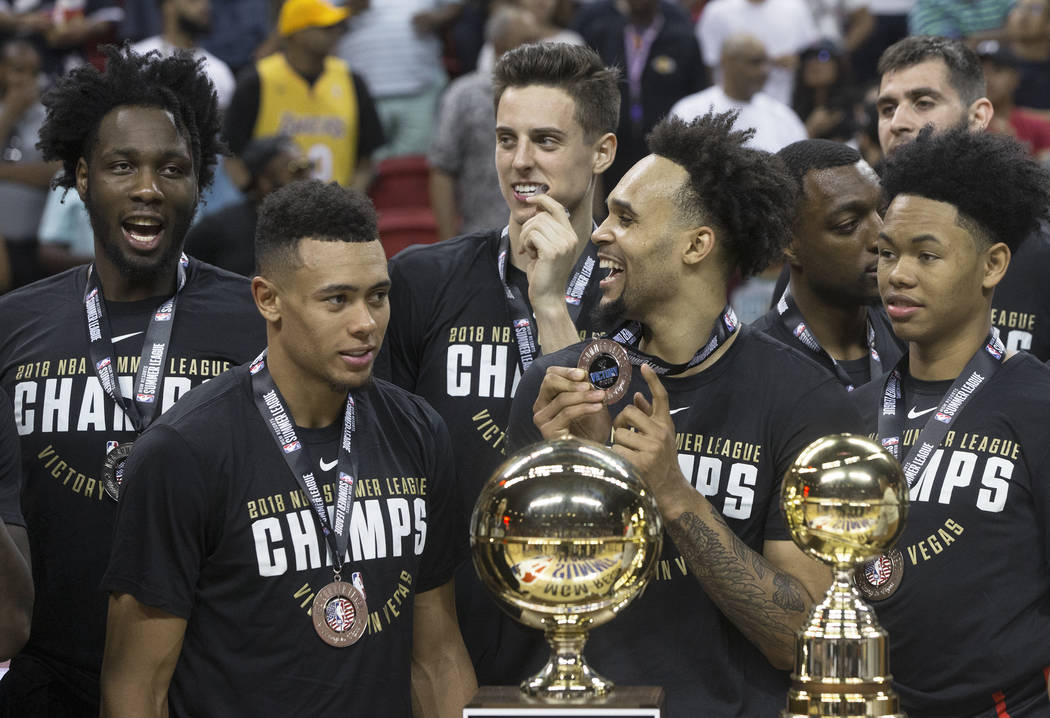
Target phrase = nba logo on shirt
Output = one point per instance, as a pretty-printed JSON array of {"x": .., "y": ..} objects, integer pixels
[
  {"x": 993, "y": 350},
  {"x": 291, "y": 446},
  {"x": 162, "y": 316},
  {"x": 942, "y": 417},
  {"x": 521, "y": 323},
  {"x": 256, "y": 366},
  {"x": 346, "y": 478},
  {"x": 102, "y": 363},
  {"x": 799, "y": 330},
  {"x": 110, "y": 445},
  {"x": 890, "y": 441},
  {"x": 145, "y": 398}
]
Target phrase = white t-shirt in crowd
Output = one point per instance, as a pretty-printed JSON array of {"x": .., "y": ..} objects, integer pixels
[{"x": 776, "y": 125}]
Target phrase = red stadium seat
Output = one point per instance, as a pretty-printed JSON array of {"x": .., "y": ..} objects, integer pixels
[
  {"x": 401, "y": 182},
  {"x": 399, "y": 228}
]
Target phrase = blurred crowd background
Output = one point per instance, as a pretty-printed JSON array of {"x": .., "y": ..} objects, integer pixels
[{"x": 412, "y": 76}]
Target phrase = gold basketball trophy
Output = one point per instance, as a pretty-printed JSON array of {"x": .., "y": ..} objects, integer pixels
[
  {"x": 565, "y": 535},
  {"x": 845, "y": 500}
]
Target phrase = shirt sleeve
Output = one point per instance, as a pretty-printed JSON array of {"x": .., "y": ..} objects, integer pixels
[
  {"x": 445, "y": 153},
  {"x": 370, "y": 135},
  {"x": 10, "y": 465},
  {"x": 243, "y": 111},
  {"x": 161, "y": 535}
]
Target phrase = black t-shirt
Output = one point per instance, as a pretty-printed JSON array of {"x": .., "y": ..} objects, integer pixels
[
  {"x": 226, "y": 238},
  {"x": 969, "y": 626},
  {"x": 740, "y": 424},
  {"x": 10, "y": 466},
  {"x": 239, "y": 122},
  {"x": 451, "y": 340},
  {"x": 214, "y": 528},
  {"x": 889, "y": 347},
  {"x": 1021, "y": 303},
  {"x": 1033, "y": 90},
  {"x": 67, "y": 422}
]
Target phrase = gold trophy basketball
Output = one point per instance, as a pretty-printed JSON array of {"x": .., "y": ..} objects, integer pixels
[
  {"x": 565, "y": 534},
  {"x": 845, "y": 500}
]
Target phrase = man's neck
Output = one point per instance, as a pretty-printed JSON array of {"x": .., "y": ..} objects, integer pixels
[
  {"x": 667, "y": 337},
  {"x": 946, "y": 357},
  {"x": 734, "y": 94},
  {"x": 582, "y": 222},
  {"x": 306, "y": 64},
  {"x": 840, "y": 328},
  {"x": 312, "y": 402},
  {"x": 177, "y": 38},
  {"x": 118, "y": 288}
]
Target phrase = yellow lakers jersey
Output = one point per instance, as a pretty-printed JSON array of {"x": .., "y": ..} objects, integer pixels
[{"x": 321, "y": 118}]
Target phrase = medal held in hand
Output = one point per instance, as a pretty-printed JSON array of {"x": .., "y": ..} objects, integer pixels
[
  {"x": 607, "y": 368},
  {"x": 113, "y": 469}
]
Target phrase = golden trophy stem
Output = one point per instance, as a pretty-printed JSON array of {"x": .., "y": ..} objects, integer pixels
[
  {"x": 566, "y": 674},
  {"x": 841, "y": 661}
]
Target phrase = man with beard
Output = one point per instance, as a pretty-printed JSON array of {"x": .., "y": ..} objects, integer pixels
[
  {"x": 471, "y": 313},
  {"x": 933, "y": 81},
  {"x": 734, "y": 588},
  {"x": 293, "y": 507},
  {"x": 829, "y": 311},
  {"x": 92, "y": 356},
  {"x": 966, "y": 417},
  {"x": 183, "y": 23}
]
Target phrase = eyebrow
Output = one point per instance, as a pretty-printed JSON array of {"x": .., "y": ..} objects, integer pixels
[
  {"x": 856, "y": 205},
  {"x": 136, "y": 153},
  {"x": 621, "y": 204},
  {"x": 920, "y": 239},
  {"x": 534, "y": 130},
  {"x": 351, "y": 288}
]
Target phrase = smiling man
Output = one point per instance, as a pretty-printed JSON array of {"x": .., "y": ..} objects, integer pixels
[
  {"x": 292, "y": 508},
  {"x": 965, "y": 603},
  {"x": 92, "y": 356},
  {"x": 470, "y": 314},
  {"x": 830, "y": 309}
]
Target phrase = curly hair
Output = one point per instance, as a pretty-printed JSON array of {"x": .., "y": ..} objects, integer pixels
[
  {"x": 999, "y": 191},
  {"x": 577, "y": 70},
  {"x": 79, "y": 100},
  {"x": 965, "y": 74},
  {"x": 746, "y": 194},
  {"x": 310, "y": 209}
]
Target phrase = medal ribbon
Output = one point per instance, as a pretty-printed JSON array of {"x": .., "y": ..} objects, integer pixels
[
  {"x": 521, "y": 315},
  {"x": 796, "y": 324},
  {"x": 274, "y": 411},
  {"x": 978, "y": 371},
  {"x": 629, "y": 336},
  {"x": 146, "y": 403}
]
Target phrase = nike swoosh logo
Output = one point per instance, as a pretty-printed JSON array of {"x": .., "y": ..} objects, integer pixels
[
  {"x": 328, "y": 466},
  {"x": 124, "y": 336},
  {"x": 912, "y": 414},
  {"x": 675, "y": 411}
]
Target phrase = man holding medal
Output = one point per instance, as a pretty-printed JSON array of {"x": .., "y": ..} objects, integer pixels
[
  {"x": 967, "y": 418},
  {"x": 713, "y": 416},
  {"x": 830, "y": 309},
  {"x": 94, "y": 355},
  {"x": 470, "y": 314},
  {"x": 288, "y": 537}
]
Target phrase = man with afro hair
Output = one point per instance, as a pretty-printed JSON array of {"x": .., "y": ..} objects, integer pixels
[
  {"x": 714, "y": 415},
  {"x": 93, "y": 355},
  {"x": 964, "y": 595}
]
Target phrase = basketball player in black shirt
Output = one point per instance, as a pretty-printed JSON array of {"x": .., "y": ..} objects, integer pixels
[
  {"x": 713, "y": 417},
  {"x": 93, "y": 355},
  {"x": 830, "y": 310},
  {"x": 287, "y": 541},
  {"x": 964, "y": 595},
  {"x": 470, "y": 314},
  {"x": 16, "y": 600}
]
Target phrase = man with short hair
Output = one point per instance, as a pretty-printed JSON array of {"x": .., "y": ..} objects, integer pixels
[
  {"x": 939, "y": 82},
  {"x": 93, "y": 355},
  {"x": 471, "y": 313},
  {"x": 292, "y": 507},
  {"x": 967, "y": 418},
  {"x": 732, "y": 588},
  {"x": 830, "y": 309}
]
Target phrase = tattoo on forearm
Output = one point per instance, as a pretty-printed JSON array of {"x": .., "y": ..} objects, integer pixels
[{"x": 735, "y": 578}]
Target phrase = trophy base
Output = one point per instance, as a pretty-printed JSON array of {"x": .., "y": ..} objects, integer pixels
[
  {"x": 509, "y": 702},
  {"x": 875, "y": 704},
  {"x": 567, "y": 677}
]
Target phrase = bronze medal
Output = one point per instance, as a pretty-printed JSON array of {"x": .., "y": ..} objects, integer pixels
[
  {"x": 607, "y": 368},
  {"x": 113, "y": 469},
  {"x": 881, "y": 577},
  {"x": 340, "y": 614}
]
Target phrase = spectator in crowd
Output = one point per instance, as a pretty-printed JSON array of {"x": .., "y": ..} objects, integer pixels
[
  {"x": 185, "y": 22},
  {"x": 784, "y": 27},
  {"x": 78, "y": 28},
  {"x": 24, "y": 176},
  {"x": 972, "y": 20},
  {"x": 395, "y": 46},
  {"x": 662, "y": 64},
  {"x": 1002, "y": 77},
  {"x": 1028, "y": 30},
  {"x": 464, "y": 186},
  {"x": 548, "y": 31},
  {"x": 890, "y": 24},
  {"x": 745, "y": 67},
  {"x": 66, "y": 239},
  {"x": 310, "y": 95},
  {"x": 846, "y": 23},
  {"x": 227, "y": 238},
  {"x": 824, "y": 93}
]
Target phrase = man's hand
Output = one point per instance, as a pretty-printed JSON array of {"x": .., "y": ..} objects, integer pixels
[
  {"x": 644, "y": 434},
  {"x": 568, "y": 404},
  {"x": 550, "y": 243}
]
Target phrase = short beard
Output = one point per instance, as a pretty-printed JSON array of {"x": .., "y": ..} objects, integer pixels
[
  {"x": 609, "y": 316},
  {"x": 345, "y": 389}
]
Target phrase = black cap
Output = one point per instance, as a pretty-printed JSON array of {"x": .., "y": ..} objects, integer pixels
[
  {"x": 997, "y": 52},
  {"x": 258, "y": 153}
]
